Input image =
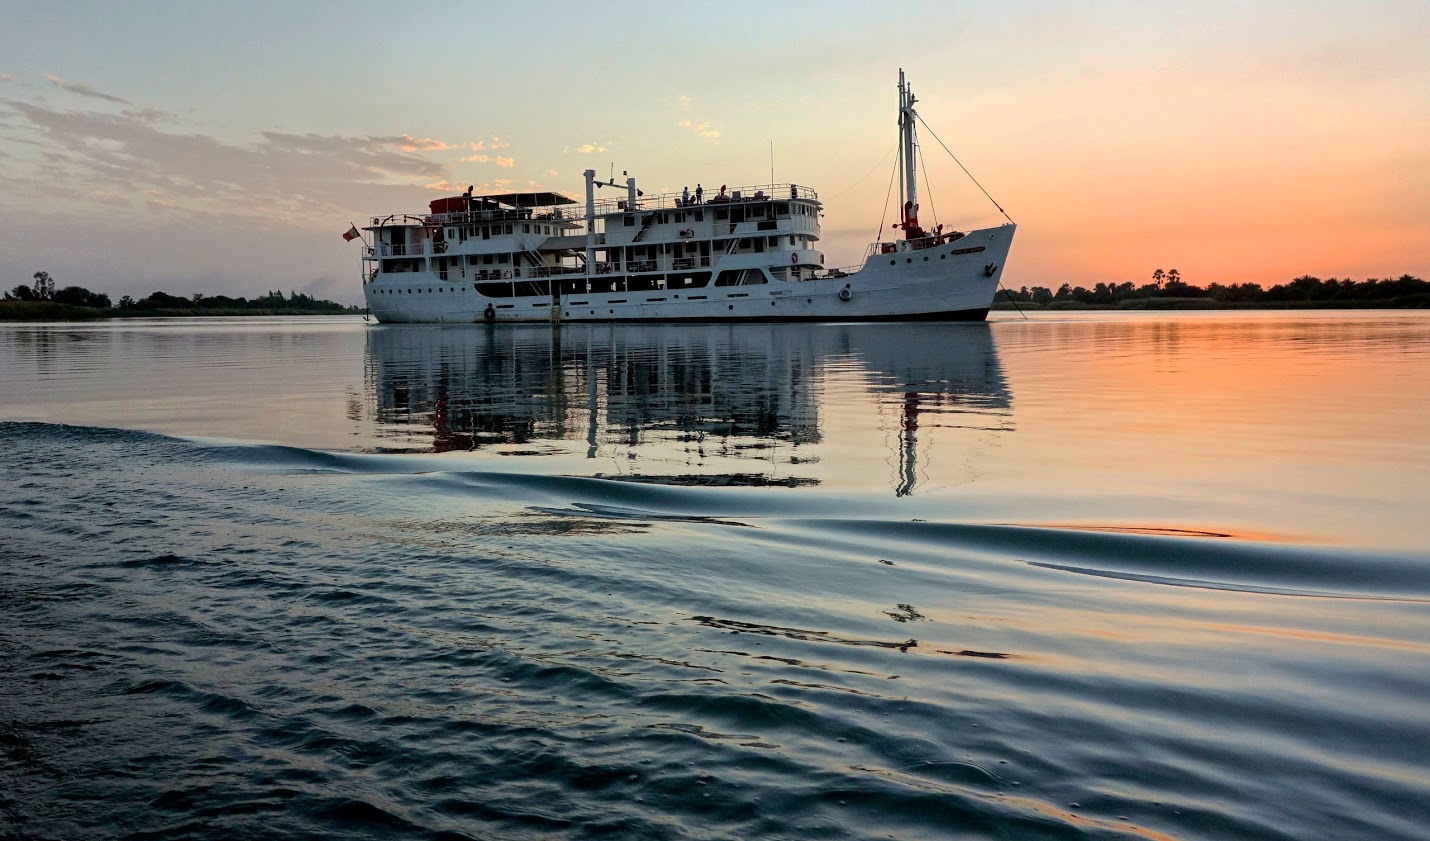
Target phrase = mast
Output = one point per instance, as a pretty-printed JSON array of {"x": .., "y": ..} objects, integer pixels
[
  {"x": 590, "y": 225},
  {"x": 910, "y": 209}
]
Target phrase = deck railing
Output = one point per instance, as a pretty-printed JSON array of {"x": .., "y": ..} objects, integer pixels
[
  {"x": 877, "y": 248},
  {"x": 677, "y": 201}
]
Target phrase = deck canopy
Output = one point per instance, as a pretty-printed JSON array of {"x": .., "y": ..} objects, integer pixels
[{"x": 542, "y": 198}]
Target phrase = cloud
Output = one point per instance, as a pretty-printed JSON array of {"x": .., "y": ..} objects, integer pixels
[
  {"x": 550, "y": 173},
  {"x": 6, "y": 77},
  {"x": 483, "y": 158},
  {"x": 683, "y": 102},
  {"x": 701, "y": 129},
  {"x": 408, "y": 143},
  {"x": 82, "y": 89},
  {"x": 277, "y": 177},
  {"x": 484, "y": 145},
  {"x": 588, "y": 148}
]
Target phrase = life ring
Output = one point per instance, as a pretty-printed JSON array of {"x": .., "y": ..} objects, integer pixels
[
  {"x": 846, "y": 294},
  {"x": 506, "y": 275},
  {"x": 490, "y": 313},
  {"x": 903, "y": 245},
  {"x": 794, "y": 259}
]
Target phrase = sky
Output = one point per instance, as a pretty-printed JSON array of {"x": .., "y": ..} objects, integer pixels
[{"x": 212, "y": 148}]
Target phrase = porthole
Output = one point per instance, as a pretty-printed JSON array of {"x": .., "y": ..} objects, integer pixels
[
  {"x": 568, "y": 314},
  {"x": 909, "y": 260},
  {"x": 613, "y": 312},
  {"x": 772, "y": 303},
  {"x": 943, "y": 256},
  {"x": 732, "y": 306},
  {"x": 892, "y": 262},
  {"x": 926, "y": 259}
]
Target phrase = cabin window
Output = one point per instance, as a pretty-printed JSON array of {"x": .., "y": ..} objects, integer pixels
[
  {"x": 722, "y": 214},
  {"x": 782, "y": 209},
  {"x": 699, "y": 216},
  {"x": 630, "y": 220},
  {"x": 526, "y": 229},
  {"x": 508, "y": 228}
]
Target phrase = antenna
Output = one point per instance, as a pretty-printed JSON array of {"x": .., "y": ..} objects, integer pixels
[{"x": 772, "y": 164}]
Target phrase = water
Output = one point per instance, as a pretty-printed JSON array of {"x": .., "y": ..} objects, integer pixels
[{"x": 1105, "y": 576}]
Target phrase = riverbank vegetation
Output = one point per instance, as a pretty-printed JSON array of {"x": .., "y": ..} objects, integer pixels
[
  {"x": 41, "y": 301},
  {"x": 1167, "y": 290}
]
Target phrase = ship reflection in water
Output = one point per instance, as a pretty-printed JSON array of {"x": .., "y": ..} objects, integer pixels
[{"x": 698, "y": 405}]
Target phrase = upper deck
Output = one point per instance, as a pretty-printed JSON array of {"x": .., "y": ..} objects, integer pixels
[{"x": 721, "y": 197}]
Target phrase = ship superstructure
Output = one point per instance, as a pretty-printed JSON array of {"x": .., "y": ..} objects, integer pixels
[{"x": 722, "y": 254}]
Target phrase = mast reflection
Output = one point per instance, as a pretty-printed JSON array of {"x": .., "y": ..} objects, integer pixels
[{"x": 681, "y": 404}]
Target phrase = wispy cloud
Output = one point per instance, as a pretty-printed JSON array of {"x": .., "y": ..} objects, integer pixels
[
  {"x": 683, "y": 102},
  {"x": 589, "y": 148},
  {"x": 277, "y": 176},
  {"x": 408, "y": 143},
  {"x": 701, "y": 129},
  {"x": 485, "y": 145},
  {"x": 482, "y": 158},
  {"x": 81, "y": 89}
]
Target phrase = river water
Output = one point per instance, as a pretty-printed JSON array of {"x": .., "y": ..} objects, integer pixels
[{"x": 1106, "y": 575}]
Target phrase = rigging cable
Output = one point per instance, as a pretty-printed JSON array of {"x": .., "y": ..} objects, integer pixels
[
  {"x": 965, "y": 169},
  {"x": 928, "y": 188},
  {"x": 865, "y": 175},
  {"x": 879, "y": 236}
]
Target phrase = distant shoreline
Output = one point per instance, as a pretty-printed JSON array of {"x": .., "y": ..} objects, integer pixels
[
  {"x": 50, "y": 311},
  {"x": 1416, "y": 302}
]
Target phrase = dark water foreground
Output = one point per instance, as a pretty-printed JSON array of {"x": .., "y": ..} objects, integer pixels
[{"x": 248, "y": 641}]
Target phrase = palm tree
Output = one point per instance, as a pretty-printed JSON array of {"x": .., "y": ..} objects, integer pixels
[
  {"x": 1157, "y": 277},
  {"x": 1174, "y": 276}
]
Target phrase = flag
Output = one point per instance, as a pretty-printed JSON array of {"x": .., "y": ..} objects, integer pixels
[{"x": 352, "y": 234}]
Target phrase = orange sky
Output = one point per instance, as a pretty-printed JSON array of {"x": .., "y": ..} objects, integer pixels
[{"x": 1232, "y": 142}]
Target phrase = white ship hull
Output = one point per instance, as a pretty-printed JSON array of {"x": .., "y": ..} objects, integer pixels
[{"x": 953, "y": 281}]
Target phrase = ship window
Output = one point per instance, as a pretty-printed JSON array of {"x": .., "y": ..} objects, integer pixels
[
  {"x": 722, "y": 213},
  {"x": 782, "y": 209},
  {"x": 526, "y": 229},
  {"x": 508, "y": 228},
  {"x": 630, "y": 220}
]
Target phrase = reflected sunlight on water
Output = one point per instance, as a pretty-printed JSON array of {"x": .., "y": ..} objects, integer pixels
[{"x": 1159, "y": 576}]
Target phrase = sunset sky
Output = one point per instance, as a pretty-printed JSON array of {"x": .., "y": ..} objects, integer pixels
[{"x": 204, "y": 147}]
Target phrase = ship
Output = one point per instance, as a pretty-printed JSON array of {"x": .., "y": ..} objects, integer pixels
[{"x": 741, "y": 254}]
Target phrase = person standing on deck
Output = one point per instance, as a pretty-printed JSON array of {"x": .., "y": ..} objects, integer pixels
[
  {"x": 699, "y": 193},
  {"x": 685, "y": 197}
]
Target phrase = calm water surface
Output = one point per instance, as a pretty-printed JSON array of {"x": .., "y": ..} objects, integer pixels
[{"x": 1158, "y": 576}]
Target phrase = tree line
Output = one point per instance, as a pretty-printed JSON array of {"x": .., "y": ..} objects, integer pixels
[
  {"x": 1406, "y": 291},
  {"x": 43, "y": 290}
]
